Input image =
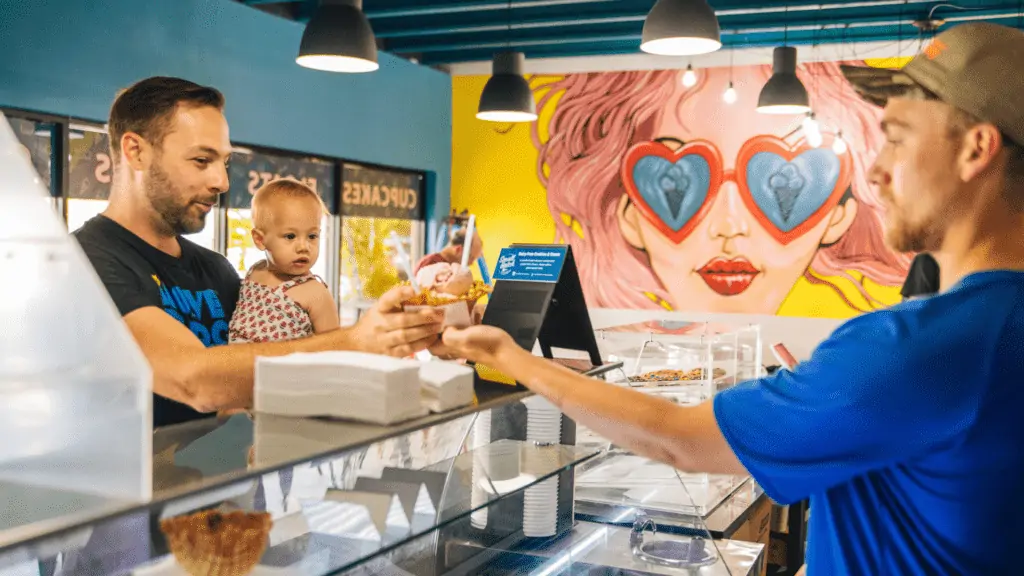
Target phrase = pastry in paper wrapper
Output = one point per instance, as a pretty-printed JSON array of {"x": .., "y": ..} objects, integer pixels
[
  {"x": 448, "y": 287},
  {"x": 213, "y": 543}
]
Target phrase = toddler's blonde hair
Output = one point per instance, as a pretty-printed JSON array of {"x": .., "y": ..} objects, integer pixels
[{"x": 271, "y": 192}]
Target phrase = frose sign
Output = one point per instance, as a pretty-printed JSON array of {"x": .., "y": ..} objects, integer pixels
[
  {"x": 91, "y": 171},
  {"x": 250, "y": 172},
  {"x": 380, "y": 193}
]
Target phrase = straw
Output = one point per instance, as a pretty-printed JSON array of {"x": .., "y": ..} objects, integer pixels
[
  {"x": 402, "y": 259},
  {"x": 467, "y": 245}
]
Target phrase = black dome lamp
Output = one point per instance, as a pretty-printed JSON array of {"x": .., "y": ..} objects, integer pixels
[
  {"x": 507, "y": 96},
  {"x": 784, "y": 93},
  {"x": 681, "y": 28},
  {"x": 338, "y": 38}
]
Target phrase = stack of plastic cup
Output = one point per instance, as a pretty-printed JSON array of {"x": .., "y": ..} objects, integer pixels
[
  {"x": 540, "y": 503},
  {"x": 481, "y": 436}
]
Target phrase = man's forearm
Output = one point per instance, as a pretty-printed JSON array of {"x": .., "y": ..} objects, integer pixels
[
  {"x": 221, "y": 377},
  {"x": 685, "y": 437}
]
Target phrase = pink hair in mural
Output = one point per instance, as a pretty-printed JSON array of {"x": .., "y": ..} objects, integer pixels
[{"x": 672, "y": 198}]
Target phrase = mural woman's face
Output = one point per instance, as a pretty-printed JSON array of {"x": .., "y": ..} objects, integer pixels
[{"x": 730, "y": 214}]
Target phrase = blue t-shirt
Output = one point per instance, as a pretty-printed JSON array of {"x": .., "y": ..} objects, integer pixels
[{"x": 905, "y": 430}]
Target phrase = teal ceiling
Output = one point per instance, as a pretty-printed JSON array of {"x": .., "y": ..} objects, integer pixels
[{"x": 437, "y": 32}]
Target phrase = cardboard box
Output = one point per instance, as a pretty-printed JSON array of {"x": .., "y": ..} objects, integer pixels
[
  {"x": 757, "y": 529},
  {"x": 780, "y": 519}
]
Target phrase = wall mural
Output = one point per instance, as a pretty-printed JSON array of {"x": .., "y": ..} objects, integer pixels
[{"x": 672, "y": 198}]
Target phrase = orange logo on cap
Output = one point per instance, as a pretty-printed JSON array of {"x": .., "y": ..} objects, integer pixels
[{"x": 933, "y": 50}]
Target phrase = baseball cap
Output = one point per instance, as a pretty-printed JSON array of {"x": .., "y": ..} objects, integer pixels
[{"x": 977, "y": 67}]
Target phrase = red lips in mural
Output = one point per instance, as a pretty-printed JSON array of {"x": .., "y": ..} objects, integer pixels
[{"x": 728, "y": 277}]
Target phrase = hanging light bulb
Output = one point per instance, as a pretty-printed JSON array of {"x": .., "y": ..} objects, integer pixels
[
  {"x": 814, "y": 139},
  {"x": 839, "y": 144},
  {"x": 810, "y": 123},
  {"x": 812, "y": 130},
  {"x": 729, "y": 96},
  {"x": 689, "y": 77}
]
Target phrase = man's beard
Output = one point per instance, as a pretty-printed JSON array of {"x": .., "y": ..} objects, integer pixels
[
  {"x": 904, "y": 236},
  {"x": 174, "y": 214}
]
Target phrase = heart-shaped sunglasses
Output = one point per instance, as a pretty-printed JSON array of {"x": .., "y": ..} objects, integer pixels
[{"x": 788, "y": 189}]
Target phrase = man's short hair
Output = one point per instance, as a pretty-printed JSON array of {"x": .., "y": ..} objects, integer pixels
[{"x": 147, "y": 107}]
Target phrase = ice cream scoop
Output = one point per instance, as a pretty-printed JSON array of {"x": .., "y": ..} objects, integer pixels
[{"x": 445, "y": 278}]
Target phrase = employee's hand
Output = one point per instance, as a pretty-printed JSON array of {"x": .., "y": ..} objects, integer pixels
[
  {"x": 478, "y": 312},
  {"x": 387, "y": 329},
  {"x": 482, "y": 344}
]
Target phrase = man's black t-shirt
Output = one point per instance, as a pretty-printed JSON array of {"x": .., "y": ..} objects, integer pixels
[{"x": 199, "y": 289}]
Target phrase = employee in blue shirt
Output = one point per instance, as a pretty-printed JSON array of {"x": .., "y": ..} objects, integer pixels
[{"x": 904, "y": 426}]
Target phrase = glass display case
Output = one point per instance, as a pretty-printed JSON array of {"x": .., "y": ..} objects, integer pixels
[
  {"x": 75, "y": 390},
  {"x": 485, "y": 489},
  {"x": 618, "y": 478},
  {"x": 687, "y": 362}
]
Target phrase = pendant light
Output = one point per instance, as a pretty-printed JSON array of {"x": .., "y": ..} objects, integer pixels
[
  {"x": 680, "y": 28},
  {"x": 784, "y": 93},
  {"x": 338, "y": 38},
  {"x": 507, "y": 96}
]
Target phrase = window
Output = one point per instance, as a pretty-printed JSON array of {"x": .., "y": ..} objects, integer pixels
[
  {"x": 89, "y": 174},
  {"x": 249, "y": 171},
  {"x": 90, "y": 171},
  {"x": 377, "y": 205},
  {"x": 36, "y": 139}
]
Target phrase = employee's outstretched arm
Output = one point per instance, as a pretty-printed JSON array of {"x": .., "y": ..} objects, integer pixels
[
  {"x": 221, "y": 377},
  {"x": 688, "y": 438}
]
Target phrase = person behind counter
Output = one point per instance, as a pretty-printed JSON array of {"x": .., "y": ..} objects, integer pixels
[
  {"x": 903, "y": 428},
  {"x": 923, "y": 277},
  {"x": 170, "y": 147},
  {"x": 452, "y": 253}
]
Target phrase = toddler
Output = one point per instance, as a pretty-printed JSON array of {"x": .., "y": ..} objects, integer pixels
[{"x": 280, "y": 299}]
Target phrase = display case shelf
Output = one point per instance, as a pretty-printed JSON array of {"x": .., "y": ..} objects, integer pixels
[
  {"x": 595, "y": 550},
  {"x": 205, "y": 459},
  {"x": 617, "y": 478},
  {"x": 333, "y": 530}
]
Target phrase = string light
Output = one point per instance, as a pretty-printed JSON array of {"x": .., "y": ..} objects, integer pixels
[
  {"x": 729, "y": 96},
  {"x": 812, "y": 130},
  {"x": 814, "y": 139},
  {"x": 839, "y": 144},
  {"x": 689, "y": 77}
]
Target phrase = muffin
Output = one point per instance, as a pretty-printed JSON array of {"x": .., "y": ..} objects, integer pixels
[{"x": 214, "y": 543}]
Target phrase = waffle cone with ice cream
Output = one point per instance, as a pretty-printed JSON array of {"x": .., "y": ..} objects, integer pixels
[{"x": 451, "y": 288}]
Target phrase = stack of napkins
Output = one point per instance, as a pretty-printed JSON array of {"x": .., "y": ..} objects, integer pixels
[
  {"x": 350, "y": 385},
  {"x": 359, "y": 386},
  {"x": 446, "y": 385}
]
